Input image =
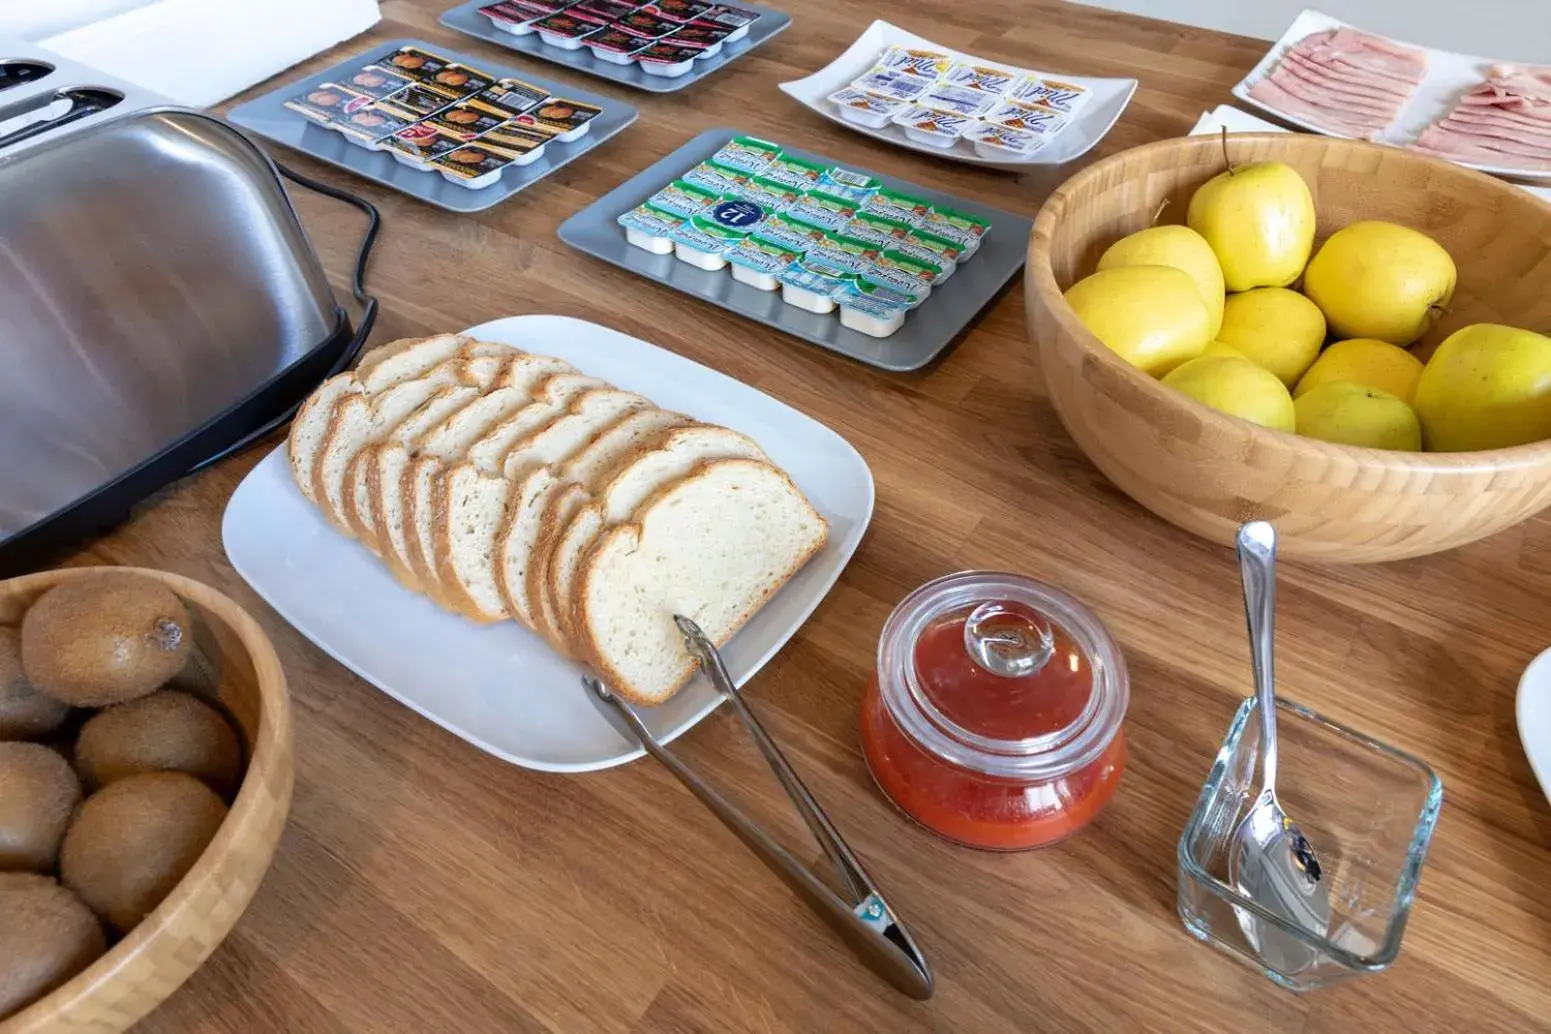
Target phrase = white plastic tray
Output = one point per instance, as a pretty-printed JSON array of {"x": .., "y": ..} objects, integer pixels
[
  {"x": 501, "y": 687},
  {"x": 1533, "y": 711},
  {"x": 1093, "y": 120},
  {"x": 1449, "y": 76}
]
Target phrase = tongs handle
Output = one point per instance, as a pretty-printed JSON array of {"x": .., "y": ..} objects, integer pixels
[{"x": 865, "y": 922}]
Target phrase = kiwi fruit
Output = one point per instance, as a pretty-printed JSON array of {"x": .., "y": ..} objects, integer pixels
[
  {"x": 25, "y": 713},
  {"x": 48, "y": 936},
  {"x": 38, "y": 793},
  {"x": 167, "y": 731},
  {"x": 92, "y": 642},
  {"x": 133, "y": 840}
]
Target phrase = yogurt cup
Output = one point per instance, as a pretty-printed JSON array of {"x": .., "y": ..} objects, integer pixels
[
  {"x": 716, "y": 177},
  {"x": 824, "y": 210},
  {"x": 1035, "y": 118},
  {"x": 891, "y": 204},
  {"x": 747, "y": 154},
  {"x": 417, "y": 145},
  {"x": 963, "y": 229},
  {"x": 368, "y": 127},
  {"x": 651, "y": 228},
  {"x": 984, "y": 78},
  {"x": 647, "y": 23},
  {"x": 1003, "y": 143},
  {"x": 683, "y": 199},
  {"x": 892, "y": 84},
  {"x": 851, "y": 187},
  {"x": 958, "y": 100},
  {"x": 789, "y": 232},
  {"x": 877, "y": 230},
  {"x": 516, "y": 18},
  {"x": 869, "y": 315},
  {"x": 568, "y": 120},
  {"x": 376, "y": 81},
  {"x": 791, "y": 171},
  {"x": 703, "y": 242},
  {"x": 933, "y": 128},
  {"x": 709, "y": 38},
  {"x": 813, "y": 286},
  {"x": 770, "y": 195},
  {"x": 846, "y": 253},
  {"x": 682, "y": 10},
  {"x": 759, "y": 262},
  {"x": 929, "y": 247},
  {"x": 865, "y": 109},
  {"x": 904, "y": 272},
  {"x": 603, "y": 11}
]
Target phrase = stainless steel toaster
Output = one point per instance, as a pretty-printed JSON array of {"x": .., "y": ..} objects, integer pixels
[{"x": 159, "y": 300}]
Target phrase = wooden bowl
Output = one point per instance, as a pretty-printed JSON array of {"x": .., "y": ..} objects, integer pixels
[
  {"x": 235, "y": 665},
  {"x": 1208, "y": 472}
]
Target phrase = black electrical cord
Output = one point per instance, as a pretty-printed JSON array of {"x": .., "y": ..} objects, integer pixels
[{"x": 357, "y": 287}]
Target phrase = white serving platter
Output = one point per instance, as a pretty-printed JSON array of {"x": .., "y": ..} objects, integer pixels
[
  {"x": 1449, "y": 76},
  {"x": 501, "y": 687},
  {"x": 1092, "y": 121},
  {"x": 1225, "y": 116},
  {"x": 1533, "y": 711}
]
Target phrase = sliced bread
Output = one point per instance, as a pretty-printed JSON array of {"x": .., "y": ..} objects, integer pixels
[
  {"x": 310, "y": 426},
  {"x": 404, "y": 360},
  {"x": 436, "y": 451},
  {"x": 533, "y": 466},
  {"x": 475, "y": 494},
  {"x": 586, "y": 469},
  {"x": 354, "y": 428},
  {"x": 631, "y": 483},
  {"x": 713, "y": 546},
  {"x": 385, "y": 476}
]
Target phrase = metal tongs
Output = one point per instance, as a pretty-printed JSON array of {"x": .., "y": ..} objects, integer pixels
[{"x": 861, "y": 917}]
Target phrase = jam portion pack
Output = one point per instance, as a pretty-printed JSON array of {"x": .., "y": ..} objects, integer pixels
[{"x": 436, "y": 114}]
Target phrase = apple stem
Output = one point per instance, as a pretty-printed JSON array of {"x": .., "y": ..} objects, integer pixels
[
  {"x": 1227, "y": 162},
  {"x": 1157, "y": 212}
]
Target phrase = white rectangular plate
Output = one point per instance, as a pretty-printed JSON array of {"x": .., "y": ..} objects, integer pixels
[
  {"x": 500, "y": 686},
  {"x": 1532, "y": 709},
  {"x": 1225, "y": 116},
  {"x": 1449, "y": 76},
  {"x": 1094, "y": 119}
]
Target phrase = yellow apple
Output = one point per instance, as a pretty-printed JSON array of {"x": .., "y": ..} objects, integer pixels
[
  {"x": 1237, "y": 387},
  {"x": 1259, "y": 220},
  {"x": 1177, "y": 246},
  {"x": 1486, "y": 387},
  {"x": 1355, "y": 414},
  {"x": 1152, "y": 316},
  {"x": 1275, "y": 328},
  {"x": 1365, "y": 361},
  {"x": 1380, "y": 280}
]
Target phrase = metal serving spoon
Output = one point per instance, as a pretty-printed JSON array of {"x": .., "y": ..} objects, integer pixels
[{"x": 1271, "y": 862}]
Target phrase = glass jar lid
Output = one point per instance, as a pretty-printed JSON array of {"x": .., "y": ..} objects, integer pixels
[{"x": 1002, "y": 675}]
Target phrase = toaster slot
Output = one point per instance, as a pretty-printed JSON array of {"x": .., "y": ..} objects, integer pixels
[
  {"x": 53, "y": 111},
  {"x": 16, "y": 71}
]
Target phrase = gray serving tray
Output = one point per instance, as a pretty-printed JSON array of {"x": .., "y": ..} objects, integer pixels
[
  {"x": 269, "y": 117},
  {"x": 928, "y": 329},
  {"x": 466, "y": 18}
]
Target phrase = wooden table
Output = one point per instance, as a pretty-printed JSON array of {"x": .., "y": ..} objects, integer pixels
[{"x": 423, "y": 886}]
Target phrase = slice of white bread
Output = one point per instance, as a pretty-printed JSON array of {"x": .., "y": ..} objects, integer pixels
[
  {"x": 713, "y": 546},
  {"x": 587, "y": 469},
  {"x": 474, "y": 496},
  {"x": 405, "y": 359},
  {"x": 358, "y": 423},
  {"x": 437, "y": 450},
  {"x": 385, "y": 476},
  {"x": 631, "y": 483},
  {"x": 311, "y": 425},
  {"x": 562, "y": 504},
  {"x": 533, "y": 467}
]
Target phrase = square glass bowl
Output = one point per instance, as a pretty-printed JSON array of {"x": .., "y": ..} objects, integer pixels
[{"x": 1369, "y": 811}]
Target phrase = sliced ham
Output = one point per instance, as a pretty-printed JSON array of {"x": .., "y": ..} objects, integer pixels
[
  {"x": 1504, "y": 121},
  {"x": 1278, "y": 99},
  {"x": 1343, "y": 81},
  {"x": 1439, "y": 137},
  {"x": 1353, "y": 79},
  {"x": 1330, "y": 94}
]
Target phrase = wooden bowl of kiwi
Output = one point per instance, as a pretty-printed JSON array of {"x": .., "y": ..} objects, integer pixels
[{"x": 145, "y": 777}]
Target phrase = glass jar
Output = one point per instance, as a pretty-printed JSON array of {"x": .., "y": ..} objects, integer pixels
[{"x": 994, "y": 715}]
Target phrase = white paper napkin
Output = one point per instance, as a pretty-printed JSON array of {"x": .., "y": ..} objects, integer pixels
[{"x": 199, "y": 52}]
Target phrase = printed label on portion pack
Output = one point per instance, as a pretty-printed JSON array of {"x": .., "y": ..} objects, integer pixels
[{"x": 470, "y": 161}]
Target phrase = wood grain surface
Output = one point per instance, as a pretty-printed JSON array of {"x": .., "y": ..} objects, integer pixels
[{"x": 423, "y": 886}]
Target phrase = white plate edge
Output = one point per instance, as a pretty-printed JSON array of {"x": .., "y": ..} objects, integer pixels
[{"x": 1522, "y": 706}]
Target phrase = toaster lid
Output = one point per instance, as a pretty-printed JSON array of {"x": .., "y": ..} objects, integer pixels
[{"x": 153, "y": 274}]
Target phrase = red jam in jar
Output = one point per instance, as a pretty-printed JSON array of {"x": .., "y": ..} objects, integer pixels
[{"x": 994, "y": 716}]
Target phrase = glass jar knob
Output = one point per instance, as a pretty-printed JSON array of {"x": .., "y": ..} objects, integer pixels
[{"x": 1008, "y": 639}]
